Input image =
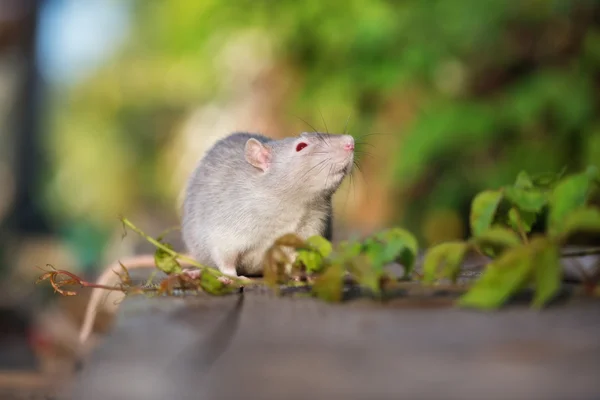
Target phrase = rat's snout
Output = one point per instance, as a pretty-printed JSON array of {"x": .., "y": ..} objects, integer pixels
[{"x": 348, "y": 143}]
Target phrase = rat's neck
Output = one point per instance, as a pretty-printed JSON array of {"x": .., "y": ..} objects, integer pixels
[{"x": 286, "y": 199}]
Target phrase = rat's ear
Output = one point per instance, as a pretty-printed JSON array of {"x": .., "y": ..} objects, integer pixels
[{"x": 258, "y": 154}]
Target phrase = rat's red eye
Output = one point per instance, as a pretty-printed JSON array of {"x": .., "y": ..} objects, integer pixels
[{"x": 300, "y": 146}]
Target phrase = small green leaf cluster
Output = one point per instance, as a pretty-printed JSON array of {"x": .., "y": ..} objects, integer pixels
[
  {"x": 326, "y": 266},
  {"x": 501, "y": 222}
]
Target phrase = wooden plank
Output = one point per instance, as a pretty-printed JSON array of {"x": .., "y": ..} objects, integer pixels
[{"x": 258, "y": 346}]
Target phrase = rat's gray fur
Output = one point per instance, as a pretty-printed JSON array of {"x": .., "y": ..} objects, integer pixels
[{"x": 234, "y": 211}]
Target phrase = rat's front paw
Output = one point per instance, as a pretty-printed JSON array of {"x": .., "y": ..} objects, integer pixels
[
  {"x": 225, "y": 280},
  {"x": 192, "y": 273}
]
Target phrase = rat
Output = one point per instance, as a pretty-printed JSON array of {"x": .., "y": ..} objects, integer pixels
[{"x": 247, "y": 191}]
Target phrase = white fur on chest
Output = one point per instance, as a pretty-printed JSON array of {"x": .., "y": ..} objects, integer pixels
[{"x": 302, "y": 221}]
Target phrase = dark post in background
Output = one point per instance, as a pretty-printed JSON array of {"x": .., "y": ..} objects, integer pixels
[{"x": 22, "y": 147}]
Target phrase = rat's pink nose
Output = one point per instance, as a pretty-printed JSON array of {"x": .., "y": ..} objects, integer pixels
[{"x": 349, "y": 146}]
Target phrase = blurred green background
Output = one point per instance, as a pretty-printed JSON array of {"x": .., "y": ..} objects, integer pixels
[
  {"x": 106, "y": 106},
  {"x": 450, "y": 96}
]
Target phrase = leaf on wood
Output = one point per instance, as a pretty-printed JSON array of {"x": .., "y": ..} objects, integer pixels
[
  {"x": 320, "y": 244},
  {"x": 392, "y": 245},
  {"x": 348, "y": 250},
  {"x": 445, "y": 257},
  {"x": 483, "y": 210},
  {"x": 313, "y": 257},
  {"x": 585, "y": 219},
  {"x": 311, "y": 260},
  {"x": 275, "y": 261},
  {"x": 521, "y": 219},
  {"x": 501, "y": 279},
  {"x": 376, "y": 253},
  {"x": 364, "y": 274},
  {"x": 548, "y": 271},
  {"x": 496, "y": 239},
  {"x": 569, "y": 194},
  {"x": 167, "y": 262},
  {"x": 329, "y": 285}
]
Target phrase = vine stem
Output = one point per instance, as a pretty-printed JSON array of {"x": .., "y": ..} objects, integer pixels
[
  {"x": 83, "y": 283},
  {"x": 175, "y": 254}
]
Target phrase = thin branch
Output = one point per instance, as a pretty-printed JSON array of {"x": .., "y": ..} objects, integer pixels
[
  {"x": 175, "y": 254},
  {"x": 583, "y": 252}
]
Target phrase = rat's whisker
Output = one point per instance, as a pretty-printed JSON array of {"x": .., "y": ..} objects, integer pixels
[
  {"x": 321, "y": 137},
  {"x": 346, "y": 125},
  {"x": 362, "y": 174},
  {"x": 357, "y": 166},
  {"x": 324, "y": 123},
  {"x": 361, "y": 155},
  {"x": 362, "y": 151},
  {"x": 350, "y": 187},
  {"x": 315, "y": 166},
  {"x": 309, "y": 125},
  {"x": 328, "y": 174},
  {"x": 374, "y": 133},
  {"x": 364, "y": 144}
]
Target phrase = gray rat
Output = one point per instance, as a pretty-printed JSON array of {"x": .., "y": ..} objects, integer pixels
[{"x": 248, "y": 190}]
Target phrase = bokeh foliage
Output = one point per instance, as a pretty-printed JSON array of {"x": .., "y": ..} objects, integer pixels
[{"x": 497, "y": 86}]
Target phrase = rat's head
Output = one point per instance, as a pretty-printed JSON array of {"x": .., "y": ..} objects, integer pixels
[{"x": 309, "y": 164}]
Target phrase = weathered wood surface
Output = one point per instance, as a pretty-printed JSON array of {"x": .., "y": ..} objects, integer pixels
[{"x": 257, "y": 346}]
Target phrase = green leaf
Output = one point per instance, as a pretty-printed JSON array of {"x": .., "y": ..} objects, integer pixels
[
  {"x": 586, "y": 219},
  {"x": 349, "y": 250},
  {"x": 448, "y": 256},
  {"x": 320, "y": 244},
  {"x": 364, "y": 274},
  {"x": 211, "y": 284},
  {"x": 532, "y": 200},
  {"x": 496, "y": 240},
  {"x": 521, "y": 219},
  {"x": 523, "y": 181},
  {"x": 548, "y": 179},
  {"x": 312, "y": 261},
  {"x": 592, "y": 173},
  {"x": 401, "y": 246},
  {"x": 313, "y": 258},
  {"x": 483, "y": 209},
  {"x": 166, "y": 262},
  {"x": 569, "y": 194},
  {"x": 391, "y": 245},
  {"x": 329, "y": 285},
  {"x": 502, "y": 278},
  {"x": 375, "y": 251},
  {"x": 548, "y": 271}
]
